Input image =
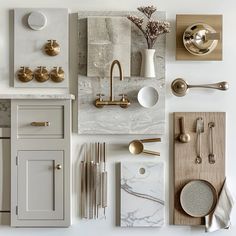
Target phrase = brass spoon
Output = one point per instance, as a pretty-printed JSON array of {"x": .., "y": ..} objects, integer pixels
[
  {"x": 180, "y": 87},
  {"x": 183, "y": 137},
  {"x": 136, "y": 147}
]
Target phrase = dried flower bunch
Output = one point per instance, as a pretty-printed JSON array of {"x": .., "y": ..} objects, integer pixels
[{"x": 153, "y": 28}]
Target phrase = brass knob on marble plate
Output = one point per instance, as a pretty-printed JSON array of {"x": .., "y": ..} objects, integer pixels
[
  {"x": 25, "y": 74},
  {"x": 57, "y": 74},
  {"x": 41, "y": 74},
  {"x": 52, "y": 48}
]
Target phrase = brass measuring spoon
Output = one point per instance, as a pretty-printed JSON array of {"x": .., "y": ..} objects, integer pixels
[
  {"x": 136, "y": 146},
  {"x": 183, "y": 137}
]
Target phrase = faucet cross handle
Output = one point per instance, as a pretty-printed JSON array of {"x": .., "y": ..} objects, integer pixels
[{"x": 100, "y": 95}]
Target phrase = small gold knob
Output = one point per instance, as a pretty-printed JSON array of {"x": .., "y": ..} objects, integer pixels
[
  {"x": 25, "y": 74},
  {"x": 58, "y": 167},
  {"x": 52, "y": 48},
  {"x": 41, "y": 74},
  {"x": 57, "y": 74}
]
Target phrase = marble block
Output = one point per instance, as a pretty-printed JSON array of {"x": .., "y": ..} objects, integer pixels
[
  {"x": 29, "y": 45},
  {"x": 113, "y": 119},
  {"x": 109, "y": 38},
  {"x": 142, "y": 194},
  {"x": 5, "y": 113}
]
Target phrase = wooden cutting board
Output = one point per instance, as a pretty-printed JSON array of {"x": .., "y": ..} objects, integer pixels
[{"x": 185, "y": 168}]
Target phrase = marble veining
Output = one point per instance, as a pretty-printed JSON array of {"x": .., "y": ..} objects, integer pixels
[
  {"x": 142, "y": 194},
  {"x": 5, "y": 113},
  {"x": 109, "y": 38},
  {"x": 113, "y": 119}
]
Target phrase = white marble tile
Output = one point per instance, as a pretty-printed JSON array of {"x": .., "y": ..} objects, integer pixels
[{"x": 142, "y": 194}]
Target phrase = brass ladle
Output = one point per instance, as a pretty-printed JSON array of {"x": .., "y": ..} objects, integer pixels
[
  {"x": 136, "y": 146},
  {"x": 180, "y": 87}
]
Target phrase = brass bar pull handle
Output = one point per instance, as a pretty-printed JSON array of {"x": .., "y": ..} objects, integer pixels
[
  {"x": 42, "y": 124},
  {"x": 151, "y": 153},
  {"x": 150, "y": 140}
]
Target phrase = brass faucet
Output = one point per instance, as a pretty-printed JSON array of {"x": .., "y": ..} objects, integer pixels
[{"x": 124, "y": 102}]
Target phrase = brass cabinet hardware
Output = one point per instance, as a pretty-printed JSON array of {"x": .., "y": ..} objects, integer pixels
[
  {"x": 180, "y": 87},
  {"x": 25, "y": 74},
  {"x": 59, "y": 167},
  {"x": 150, "y": 140},
  {"x": 52, "y": 48},
  {"x": 124, "y": 102},
  {"x": 41, "y": 74},
  {"x": 199, "y": 130},
  {"x": 200, "y": 39},
  {"x": 44, "y": 123},
  {"x": 57, "y": 74}
]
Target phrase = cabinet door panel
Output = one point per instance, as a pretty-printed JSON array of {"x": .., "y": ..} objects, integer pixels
[{"x": 41, "y": 185}]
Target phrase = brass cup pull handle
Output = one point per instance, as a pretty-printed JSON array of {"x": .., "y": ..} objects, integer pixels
[
  {"x": 42, "y": 124},
  {"x": 59, "y": 167}
]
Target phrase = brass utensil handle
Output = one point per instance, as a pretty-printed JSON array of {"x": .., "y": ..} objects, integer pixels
[
  {"x": 220, "y": 86},
  {"x": 182, "y": 125},
  {"x": 44, "y": 123},
  {"x": 150, "y": 140},
  {"x": 151, "y": 153}
]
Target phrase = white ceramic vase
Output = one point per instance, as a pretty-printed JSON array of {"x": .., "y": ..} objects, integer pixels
[{"x": 148, "y": 64}]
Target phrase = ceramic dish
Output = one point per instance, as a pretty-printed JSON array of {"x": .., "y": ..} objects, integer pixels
[
  {"x": 148, "y": 97},
  {"x": 37, "y": 20},
  {"x": 198, "y": 198}
]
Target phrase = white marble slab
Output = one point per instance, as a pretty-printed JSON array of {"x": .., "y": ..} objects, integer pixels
[
  {"x": 37, "y": 96},
  {"x": 142, "y": 194},
  {"x": 29, "y": 44},
  {"x": 109, "y": 38},
  {"x": 113, "y": 119}
]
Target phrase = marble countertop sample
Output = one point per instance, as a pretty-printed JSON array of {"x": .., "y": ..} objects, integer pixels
[{"x": 37, "y": 96}]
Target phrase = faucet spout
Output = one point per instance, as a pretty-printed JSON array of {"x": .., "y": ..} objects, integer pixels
[{"x": 115, "y": 62}]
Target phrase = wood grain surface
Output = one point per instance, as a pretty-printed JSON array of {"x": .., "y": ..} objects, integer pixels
[{"x": 185, "y": 168}]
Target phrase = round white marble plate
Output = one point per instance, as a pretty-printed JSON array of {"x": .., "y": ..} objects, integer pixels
[
  {"x": 148, "y": 97},
  {"x": 37, "y": 20},
  {"x": 198, "y": 198}
]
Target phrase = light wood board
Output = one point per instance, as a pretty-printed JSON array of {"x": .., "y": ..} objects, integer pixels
[
  {"x": 183, "y": 21},
  {"x": 185, "y": 168}
]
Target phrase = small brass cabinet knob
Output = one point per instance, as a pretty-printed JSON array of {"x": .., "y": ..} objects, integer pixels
[
  {"x": 25, "y": 74},
  {"x": 58, "y": 167},
  {"x": 57, "y": 74},
  {"x": 52, "y": 48},
  {"x": 41, "y": 74}
]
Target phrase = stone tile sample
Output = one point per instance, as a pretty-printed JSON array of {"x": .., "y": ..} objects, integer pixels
[
  {"x": 109, "y": 38},
  {"x": 141, "y": 194},
  {"x": 29, "y": 45},
  {"x": 113, "y": 119},
  {"x": 5, "y": 113}
]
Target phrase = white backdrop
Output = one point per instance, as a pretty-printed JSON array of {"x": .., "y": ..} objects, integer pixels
[{"x": 194, "y": 72}]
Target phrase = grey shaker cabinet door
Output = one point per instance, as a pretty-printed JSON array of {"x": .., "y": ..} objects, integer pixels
[{"x": 40, "y": 185}]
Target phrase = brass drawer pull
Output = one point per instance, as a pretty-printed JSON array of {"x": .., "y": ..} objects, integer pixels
[{"x": 44, "y": 124}]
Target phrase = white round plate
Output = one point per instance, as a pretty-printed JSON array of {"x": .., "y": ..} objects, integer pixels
[
  {"x": 148, "y": 97},
  {"x": 37, "y": 20},
  {"x": 198, "y": 198}
]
